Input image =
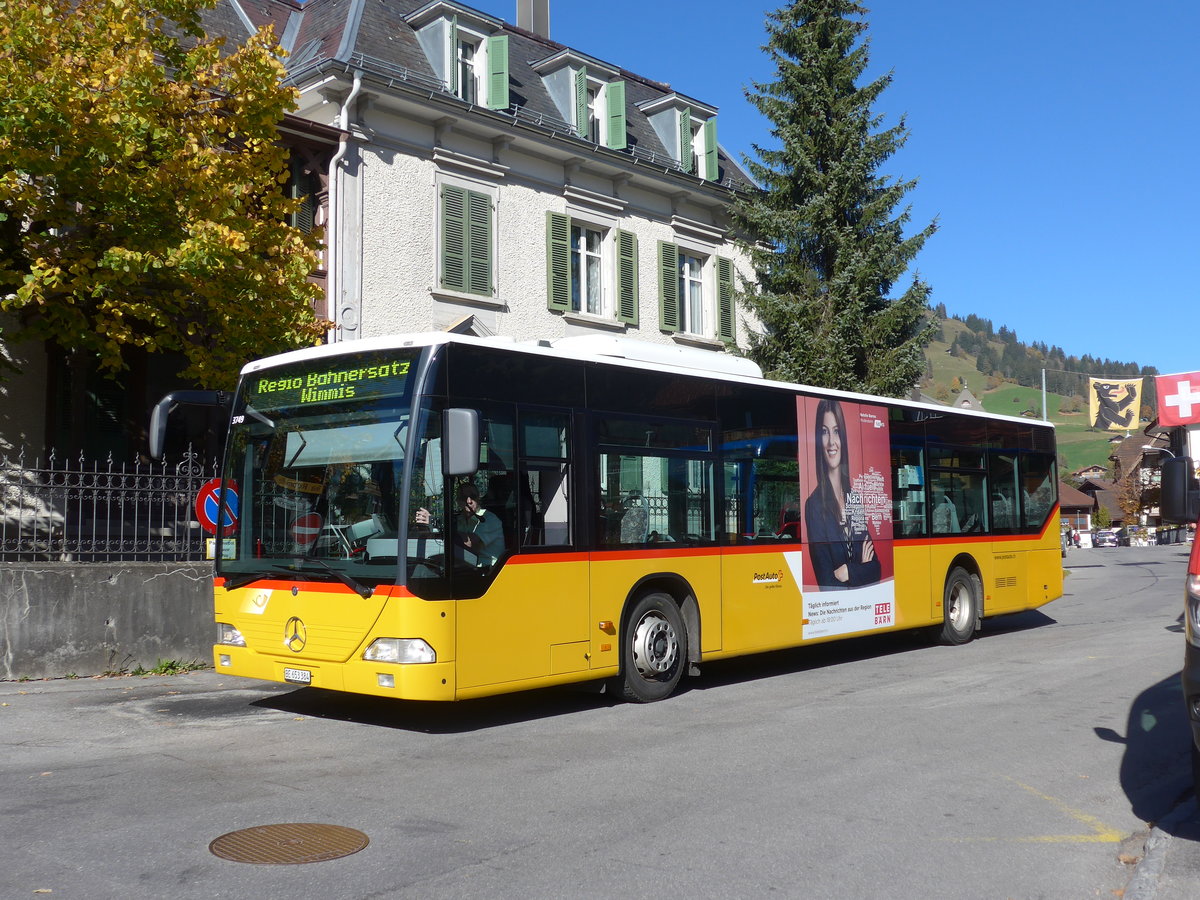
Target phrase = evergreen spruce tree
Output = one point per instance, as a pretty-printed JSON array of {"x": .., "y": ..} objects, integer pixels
[{"x": 825, "y": 237}]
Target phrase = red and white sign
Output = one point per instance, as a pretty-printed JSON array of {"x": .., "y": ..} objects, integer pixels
[
  {"x": 1178, "y": 398},
  {"x": 214, "y": 503},
  {"x": 306, "y": 528}
]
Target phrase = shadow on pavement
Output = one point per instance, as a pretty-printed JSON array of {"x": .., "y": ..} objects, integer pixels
[
  {"x": 492, "y": 712},
  {"x": 436, "y": 718},
  {"x": 1156, "y": 767}
]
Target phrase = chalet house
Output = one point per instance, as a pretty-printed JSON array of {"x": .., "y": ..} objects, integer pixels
[
  {"x": 1104, "y": 495},
  {"x": 967, "y": 400},
  {"x": 1076, "y": 508}
]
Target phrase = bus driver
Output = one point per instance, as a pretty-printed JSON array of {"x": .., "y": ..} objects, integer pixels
[{"x": 475, "y": 529}]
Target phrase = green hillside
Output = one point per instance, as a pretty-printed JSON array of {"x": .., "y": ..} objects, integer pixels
[{"x": 1078, "y": 445}]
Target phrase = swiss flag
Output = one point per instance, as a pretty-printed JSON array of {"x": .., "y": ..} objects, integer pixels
[{"x": 1178, "y": 398}]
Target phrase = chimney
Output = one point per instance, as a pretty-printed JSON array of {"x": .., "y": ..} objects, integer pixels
[{"x": 534, "y": 15}]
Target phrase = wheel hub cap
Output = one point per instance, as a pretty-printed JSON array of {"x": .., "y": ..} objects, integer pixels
[{"x": 655, "y": 646}]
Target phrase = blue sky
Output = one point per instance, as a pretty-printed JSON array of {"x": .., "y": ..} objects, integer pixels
[{"x": 1055, "y": 142}]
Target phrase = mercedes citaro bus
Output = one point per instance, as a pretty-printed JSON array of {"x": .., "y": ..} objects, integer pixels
[{"x": 437, "y": 517}]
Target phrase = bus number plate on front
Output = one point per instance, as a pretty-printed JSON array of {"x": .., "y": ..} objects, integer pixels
[{"x": 297, "y": 676}]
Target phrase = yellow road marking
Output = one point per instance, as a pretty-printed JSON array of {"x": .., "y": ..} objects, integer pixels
[{"x": 1099, "y": 832}]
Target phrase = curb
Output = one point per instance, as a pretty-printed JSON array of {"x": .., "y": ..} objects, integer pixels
[{"x": 1144, "y": 883}]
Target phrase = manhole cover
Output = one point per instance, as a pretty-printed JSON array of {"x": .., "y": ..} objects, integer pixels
[{"x": 283, "y": 844}]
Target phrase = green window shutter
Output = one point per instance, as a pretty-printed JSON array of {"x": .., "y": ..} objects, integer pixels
[
  {"x": 685, "y": 139},
  {"x": 710, "y": 149},
  {"x": 668, "y": 286},
  {"x": 306, "y": 215},
  {"x": 726, "y": 327},
  {"x": 581, "y": 110},
  {"x": 497, "y": 54},
  {"x": 452, "y": 56},
  {"x": 558, "y": 261},
  {"x": 614, "y": 96},
  {"x": 454, "y": 238},
  {"x": 479, "y": 244},
  {"x": 627, "y": 277}
]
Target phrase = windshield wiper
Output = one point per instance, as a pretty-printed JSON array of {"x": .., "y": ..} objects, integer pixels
[
  {"x": 364, "y": 591},
  {"x": 237, "y": 581}
]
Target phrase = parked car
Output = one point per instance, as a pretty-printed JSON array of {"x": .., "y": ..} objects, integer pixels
[
  {"x": 1181, "y": 506},
  {"x": 1106, "y": 538}
]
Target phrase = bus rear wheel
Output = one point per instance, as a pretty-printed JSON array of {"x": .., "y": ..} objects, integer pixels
[
  {"x": 960, "y": 606},
  {"x": 653, "y": 649}
]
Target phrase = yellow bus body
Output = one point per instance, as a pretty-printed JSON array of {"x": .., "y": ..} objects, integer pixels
[{"x": 551, "y": 619}]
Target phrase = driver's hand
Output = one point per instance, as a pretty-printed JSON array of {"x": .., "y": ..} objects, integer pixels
[{"x": 422, "y": 516}]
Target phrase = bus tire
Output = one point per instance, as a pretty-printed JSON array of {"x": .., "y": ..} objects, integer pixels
[
  {"x": 653, "y": 649},
  {"x": 960, "y": 606}
]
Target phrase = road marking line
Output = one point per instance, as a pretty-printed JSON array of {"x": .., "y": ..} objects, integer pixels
[{"x": 1100, "y": 833}]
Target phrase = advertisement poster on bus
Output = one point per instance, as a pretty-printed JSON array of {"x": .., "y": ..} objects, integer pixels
[{"x": 845, "y": 465}]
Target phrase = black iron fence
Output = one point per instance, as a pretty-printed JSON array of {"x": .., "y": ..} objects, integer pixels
[{"x": 90, "y": 511}]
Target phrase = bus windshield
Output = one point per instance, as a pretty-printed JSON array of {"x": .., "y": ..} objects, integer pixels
[{"x": 316, "y": 455}]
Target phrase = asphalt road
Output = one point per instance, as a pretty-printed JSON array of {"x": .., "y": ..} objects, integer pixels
[{"x": 1022, "y": 765}]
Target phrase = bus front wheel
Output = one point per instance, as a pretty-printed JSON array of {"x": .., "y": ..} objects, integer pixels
[
  {"x": 653, "y": 649},
  {"x": 960, "y": 606}
]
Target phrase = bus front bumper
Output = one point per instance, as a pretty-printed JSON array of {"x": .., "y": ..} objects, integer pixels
[{"x": 411, "y": 681}]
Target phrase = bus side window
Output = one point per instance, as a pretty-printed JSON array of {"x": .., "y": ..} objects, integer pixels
[
  {"x": 1037, "y": 487},
  {"x": 544, "y": 503},
  {"x": 1002, "y": 474},
  {"x": 908, "y": 491}
]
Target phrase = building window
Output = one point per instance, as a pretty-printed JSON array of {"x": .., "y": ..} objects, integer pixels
[
  {"x": 590, "y": 269},
  {"x": 466, "y": 54},
  {"x": 593, "y": 114},
  {"x": 587, "y": 282},
  {"x": 685, "y": 305},
  {"x": 466, "y": 241},
  {"x": 691, "y": 294},
  {"x": 303, "y": 185}
]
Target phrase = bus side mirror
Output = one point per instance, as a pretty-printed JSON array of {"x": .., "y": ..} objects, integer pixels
[
  {"x": 1180, "y": 501},
  {"x": 162, "y": 411},
  {"x": 461, "y": 444}
]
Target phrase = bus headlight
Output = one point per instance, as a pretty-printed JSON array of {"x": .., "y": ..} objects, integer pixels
[
  {"x": 400, "y": 650},
  {"x": 227, "y": 634},
  {"x": 1192, "y": 609}
]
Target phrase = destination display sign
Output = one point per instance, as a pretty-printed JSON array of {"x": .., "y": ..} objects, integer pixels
[{"x": 355, "y": 378}]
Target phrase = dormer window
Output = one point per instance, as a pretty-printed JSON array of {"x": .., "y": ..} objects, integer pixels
[
  {"x": 688, "y": 130},
  {"x": 465, "y": 80},
  {"x": 593, "y": 113},
  {"x": 465, "y": 50},
  {"x": 588, "y": 95}
]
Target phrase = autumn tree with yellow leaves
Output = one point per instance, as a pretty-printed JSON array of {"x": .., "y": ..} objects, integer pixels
[{"x": 142, "y": 207}]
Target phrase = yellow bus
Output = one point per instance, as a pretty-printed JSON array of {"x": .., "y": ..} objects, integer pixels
[{"x": 439, "y": 517}]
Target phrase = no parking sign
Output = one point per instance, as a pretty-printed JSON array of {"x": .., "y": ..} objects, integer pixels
[{"x": 209, "y": 506}]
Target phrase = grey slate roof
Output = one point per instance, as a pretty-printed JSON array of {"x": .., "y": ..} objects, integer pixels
[{"x": 372, "y": 35}]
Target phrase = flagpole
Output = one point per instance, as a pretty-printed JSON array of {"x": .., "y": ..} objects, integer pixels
[{"x": 1044, "y": 416}]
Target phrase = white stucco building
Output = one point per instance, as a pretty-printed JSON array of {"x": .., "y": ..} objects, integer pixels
[
  {"x": 471, "y": 173},
  {"x": 494, "y": 179}
]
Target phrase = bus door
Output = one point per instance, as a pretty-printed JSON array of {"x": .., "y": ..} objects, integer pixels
[
  {"x": 761, "y": 568},
  {"x": 526, "y": 618},
  {"x": 655, "y": 518}
]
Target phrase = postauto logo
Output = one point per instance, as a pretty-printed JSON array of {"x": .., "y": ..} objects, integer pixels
[{"x": 768, "y": 577}]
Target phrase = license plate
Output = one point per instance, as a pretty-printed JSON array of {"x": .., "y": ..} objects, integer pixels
[{"x": 297, "y": 676}]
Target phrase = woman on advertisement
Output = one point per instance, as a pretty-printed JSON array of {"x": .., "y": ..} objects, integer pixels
[{"x": 840, "y": 545}]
